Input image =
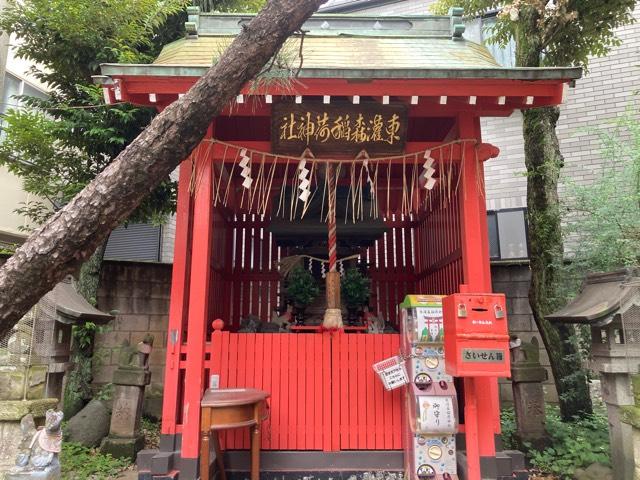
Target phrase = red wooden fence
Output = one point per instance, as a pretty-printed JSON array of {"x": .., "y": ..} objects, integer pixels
[
  {"x": 438, "y": 245},
  {"x": 324, "y": 392},
  {"x": 251, "y": 280}
]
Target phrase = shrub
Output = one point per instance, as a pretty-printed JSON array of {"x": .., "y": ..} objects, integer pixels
[
  {"x": 571, "y": 445},
  {"x": 301, "y": 287},
  {"x": 82, "y": 463}
]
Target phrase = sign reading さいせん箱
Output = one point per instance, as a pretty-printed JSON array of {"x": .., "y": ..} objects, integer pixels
[{"x": 342, "y": 129}]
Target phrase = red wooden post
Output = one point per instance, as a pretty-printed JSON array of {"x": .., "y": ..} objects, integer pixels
[
  {"x": 198, "y": 308},
  {"x": 477, "y": 277},
  {"x": 178, "y": 306}
]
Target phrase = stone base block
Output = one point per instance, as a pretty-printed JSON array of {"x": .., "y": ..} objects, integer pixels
[
  {"x": 122, "y": 447},
  {"x": 51, "y": 473},
  {"x": 332, "y": 318}
]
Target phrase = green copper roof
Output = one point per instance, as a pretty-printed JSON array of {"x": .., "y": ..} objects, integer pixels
[
  {"x": 348, "y": 46},
  {"x": 342, "y": 42},
  {"x": 347, "y": 52}
]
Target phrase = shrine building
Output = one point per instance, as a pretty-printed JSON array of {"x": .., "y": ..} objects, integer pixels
[{"x": 358, "y": 148}]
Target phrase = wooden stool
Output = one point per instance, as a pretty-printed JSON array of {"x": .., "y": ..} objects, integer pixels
[{"x": 231, "y": 408}]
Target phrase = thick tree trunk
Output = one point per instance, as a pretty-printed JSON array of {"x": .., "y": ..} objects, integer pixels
[
  {"x": 544, "y": 161},
  {"x": 74, "y": 233}
]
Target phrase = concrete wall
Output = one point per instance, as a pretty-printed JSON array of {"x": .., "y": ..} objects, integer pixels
[
  {"x": 140, "y": 293},
  {"x": 513, "y": 281}
]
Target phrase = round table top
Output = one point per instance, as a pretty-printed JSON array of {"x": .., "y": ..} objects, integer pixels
[{"x": 229, "y": 397}]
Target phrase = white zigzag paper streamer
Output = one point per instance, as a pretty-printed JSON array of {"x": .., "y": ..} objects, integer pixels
[
  {"x": 305, "y": 184},
  {"x": 246, "y": 169},
  {"x": 428, "y": 171}
]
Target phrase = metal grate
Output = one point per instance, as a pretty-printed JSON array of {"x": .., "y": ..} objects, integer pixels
[
  {"x": 31, "y": 340},
  {"x": 631, "y": 324}
]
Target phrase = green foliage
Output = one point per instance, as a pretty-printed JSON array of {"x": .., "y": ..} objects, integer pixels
[
  {"x": 354, "y": 287},
  {"x": 571, "y": 445},
  {"x": 58, "y": 145},
  {"x": 560, "y": 33},
  {"x": 83, "y": 334},
  {"x": 603, "y": 218},
  {"x": 82, "y": 463},
  {"x": 71, "y": 38},
  {"x": 301, "y": 287},
  {"x": 150, "y": 430},
  {"x": 243, "y": 6},
  {"x": 105, "y": 394},
  {"x": 508, "y": 429}
]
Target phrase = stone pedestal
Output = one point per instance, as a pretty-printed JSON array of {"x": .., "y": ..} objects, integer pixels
[
  {"x": 11, "y": 413},
  {"x": 527, "y": 375},
  {"x": 130, "y": 379}
]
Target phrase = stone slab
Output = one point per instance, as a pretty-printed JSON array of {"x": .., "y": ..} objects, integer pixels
[
  {"x": 137, "y": 377},
  {"x": 14, "y": 410}
]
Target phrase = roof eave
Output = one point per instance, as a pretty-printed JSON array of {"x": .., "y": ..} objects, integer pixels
[{"x": 528, "y": 74}]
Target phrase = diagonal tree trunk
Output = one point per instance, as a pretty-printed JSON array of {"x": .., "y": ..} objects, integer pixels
[{"x": 73, "y": 234}]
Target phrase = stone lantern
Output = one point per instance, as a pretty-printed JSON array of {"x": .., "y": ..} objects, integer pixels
[
  {"x": 610, "y": 304},
  {"x": 34, "y": 357}
]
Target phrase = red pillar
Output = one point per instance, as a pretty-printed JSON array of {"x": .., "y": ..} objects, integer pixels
[
  {"x": 197, "y": 316},
  {"x": 477, "y": 272},
  {"x": 178, "y": 307}
]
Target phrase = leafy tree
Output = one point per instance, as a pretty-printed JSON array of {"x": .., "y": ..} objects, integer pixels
[
  {"x": 59, "y": 144},
  {"x": 229, "y": 5},
  {"x": 77, "y": 229},
  {"x": 71, "y": 138},
  {"x": 603, "y": 218},
  {"x": 555, "y": 33}
]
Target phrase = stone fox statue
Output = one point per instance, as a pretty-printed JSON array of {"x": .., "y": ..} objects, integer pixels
[{"x": 39, "y": 456}]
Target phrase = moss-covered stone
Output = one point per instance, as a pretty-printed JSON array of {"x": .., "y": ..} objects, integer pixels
[
  {"x": 631, "y": 415},
  {"x": 14, "y": 410},
  {"x": 12, "y": 382},
  {"x": 122, "y": 447}
]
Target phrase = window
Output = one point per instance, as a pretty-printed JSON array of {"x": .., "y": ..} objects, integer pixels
[
  {"x": 508, "y": 234},
  {"x": 135, "y": 242},
  {"x": 12, "y": 87}
]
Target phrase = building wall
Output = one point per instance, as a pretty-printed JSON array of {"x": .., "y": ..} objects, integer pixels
[
  {"x": 603, "y": 94},
  {"x": 399, "y": 7},
  {"x": 16, "y": 80}
]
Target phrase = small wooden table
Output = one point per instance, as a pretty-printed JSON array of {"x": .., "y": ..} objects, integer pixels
[{"x": 231, "y": 408}]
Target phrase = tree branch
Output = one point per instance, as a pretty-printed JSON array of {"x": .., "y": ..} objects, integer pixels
[{"x": 74, "y": 232}]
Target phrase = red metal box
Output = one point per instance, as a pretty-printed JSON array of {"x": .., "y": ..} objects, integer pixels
[{"x": 476, "y": 335}]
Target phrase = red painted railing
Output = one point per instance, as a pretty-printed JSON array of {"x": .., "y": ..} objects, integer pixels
[{"x": 324, "y": 392}]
